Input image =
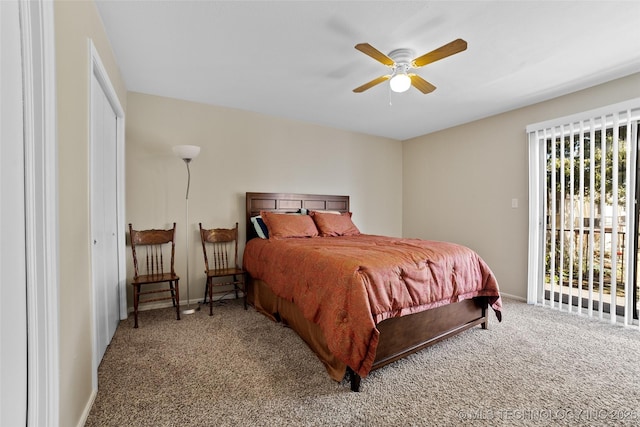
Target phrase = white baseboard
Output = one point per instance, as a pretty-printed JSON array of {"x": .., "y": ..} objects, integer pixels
[
  {"x": 513, "y": 297},
  {"x": 195, "y": 302},
  {"x": 87, "y": 408},
  {"x": 183, "y": 304}
]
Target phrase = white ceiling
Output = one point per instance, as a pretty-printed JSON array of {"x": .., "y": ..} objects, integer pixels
[{"x": 296, "y": 59}]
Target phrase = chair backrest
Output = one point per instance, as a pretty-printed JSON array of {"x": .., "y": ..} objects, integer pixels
[
  {"x": 158, "y": 247},
  {"x": 220, "y": 247}
]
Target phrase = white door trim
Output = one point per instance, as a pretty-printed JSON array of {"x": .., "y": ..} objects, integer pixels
[
  {"x": 13, "y": 263},
  {"x": 98, "y": 70},
  {"x": 41, "y": 211}
]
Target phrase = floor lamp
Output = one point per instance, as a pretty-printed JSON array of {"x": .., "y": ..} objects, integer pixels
[{"x": 187, "y": 153}]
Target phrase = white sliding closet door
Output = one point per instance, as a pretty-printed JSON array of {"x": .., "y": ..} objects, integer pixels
[{"x": 104, "y": 217}]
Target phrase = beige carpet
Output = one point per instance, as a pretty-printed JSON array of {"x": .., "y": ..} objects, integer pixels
[{"x": 537, "y": 367}]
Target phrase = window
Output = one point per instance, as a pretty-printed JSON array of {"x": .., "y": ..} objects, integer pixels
[{"x": 582, "y": 214}]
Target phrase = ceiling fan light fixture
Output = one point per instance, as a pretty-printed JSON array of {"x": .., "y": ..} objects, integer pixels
[
  {"x": 400, "y": 61},
  {"x": 400, "y": 82}
]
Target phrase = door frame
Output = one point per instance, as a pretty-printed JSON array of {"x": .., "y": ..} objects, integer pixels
[
  {"x": 97, "y": 69},
  {"x": 41, "y": 211},
  {"x": 13, "y": 260}
]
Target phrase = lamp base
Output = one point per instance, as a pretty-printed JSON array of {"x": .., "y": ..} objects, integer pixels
[{"x": 188, "y": 311}]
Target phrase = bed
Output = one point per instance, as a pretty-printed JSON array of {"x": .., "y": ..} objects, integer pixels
[{"x": 359, "y": 301}]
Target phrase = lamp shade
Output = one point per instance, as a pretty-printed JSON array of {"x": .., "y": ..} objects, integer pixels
[
  {"x": 400, "y": 82},
  {"x": 186, "y": 152}
]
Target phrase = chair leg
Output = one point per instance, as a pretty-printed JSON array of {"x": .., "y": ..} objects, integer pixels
[
  {"x": 176, "y": 300},
  {"x": 235, "y": 285},
  {"x": 244, "y": 291},
  {"x": 173, "y": 293},
  {"x": 136, "y": 291},
  {"x": 210, "y": 286},
  {"x": 206, "y": 291}
]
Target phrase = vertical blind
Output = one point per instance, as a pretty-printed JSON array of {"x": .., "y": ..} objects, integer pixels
[{"x": 582, "y": 189}]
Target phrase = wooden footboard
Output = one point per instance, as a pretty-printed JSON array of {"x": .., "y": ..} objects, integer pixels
[
  {"x": 399, "y": 336},
  {"x": 402, "y": 336}
]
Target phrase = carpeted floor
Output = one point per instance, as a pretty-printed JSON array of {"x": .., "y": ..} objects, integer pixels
[{"x": 537, "y": 367}]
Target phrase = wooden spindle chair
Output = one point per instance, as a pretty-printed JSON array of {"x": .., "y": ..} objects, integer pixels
[
  {"x": 153, "y": 257},
  {"x": 220, "y": 249}
]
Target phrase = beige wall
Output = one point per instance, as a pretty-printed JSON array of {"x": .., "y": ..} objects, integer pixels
[
  {"x": 244, "y": 151},
  {"x": 458, "y": 184},
  {"x": 76, "y": 22},
  {"x": 452, "y": 185}
]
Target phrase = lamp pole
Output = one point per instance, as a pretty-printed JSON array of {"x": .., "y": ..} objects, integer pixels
[{"x": 187, "y": 153}]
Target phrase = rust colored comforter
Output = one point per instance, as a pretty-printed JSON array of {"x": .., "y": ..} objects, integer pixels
[{"x": 349, "y": 284}]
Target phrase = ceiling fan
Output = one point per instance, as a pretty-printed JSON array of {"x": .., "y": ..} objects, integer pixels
[{"x": 400, "y": 62}]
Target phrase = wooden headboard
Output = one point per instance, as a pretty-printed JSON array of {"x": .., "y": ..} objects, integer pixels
[{"x": 288, "y": 203}]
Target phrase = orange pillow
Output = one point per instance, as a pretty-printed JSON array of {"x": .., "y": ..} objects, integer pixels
[
  {"x": 282, "y": 226},
  {"x": 330, "y": 224}
]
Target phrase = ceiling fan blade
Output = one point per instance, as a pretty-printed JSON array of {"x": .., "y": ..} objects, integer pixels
[
  {"x": 367, "y": 49},
  {"x": 421, "y": 84},
  {"x": 372, "y": 83},
  {"x": 448, "y": 49}
]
